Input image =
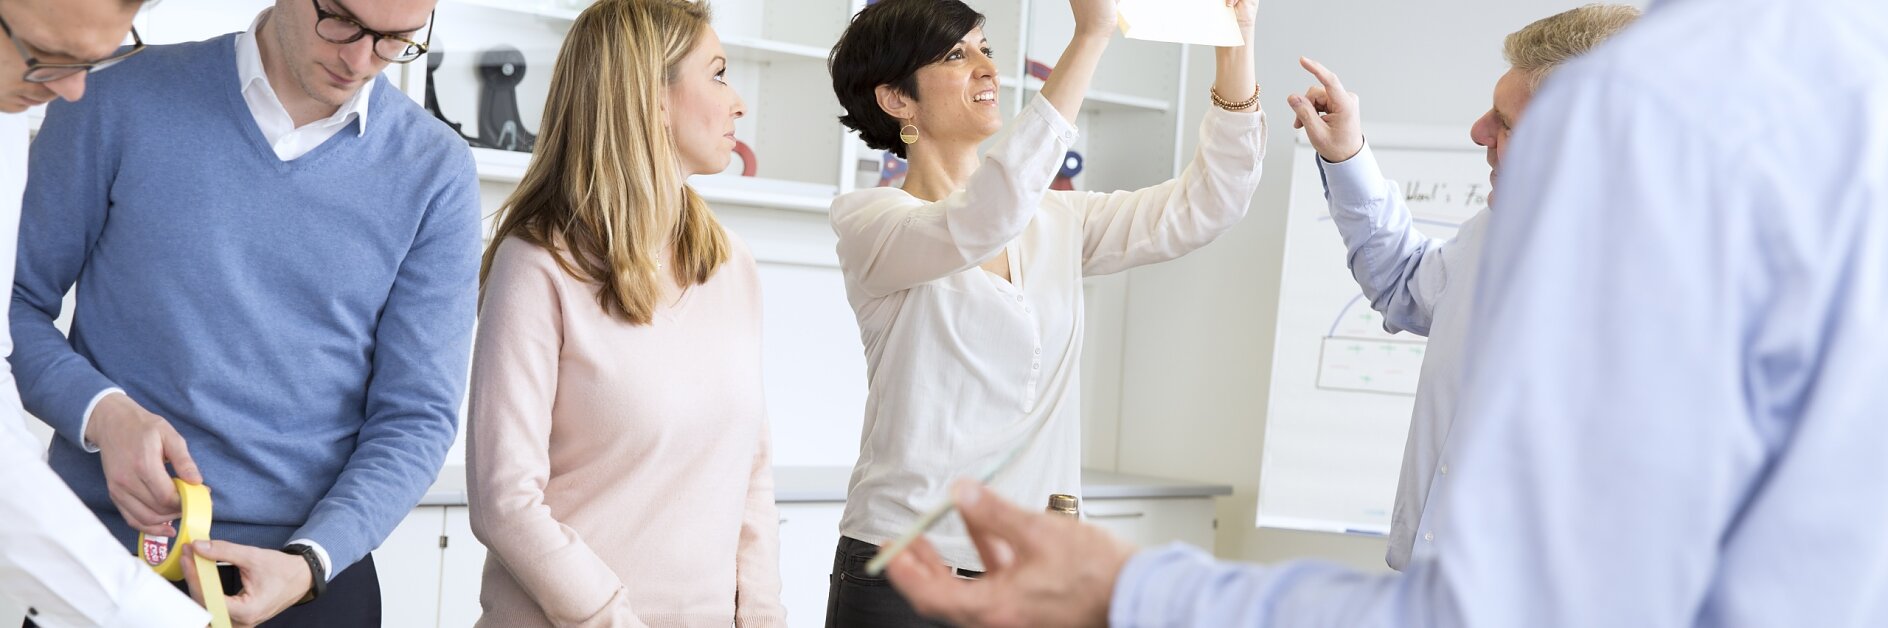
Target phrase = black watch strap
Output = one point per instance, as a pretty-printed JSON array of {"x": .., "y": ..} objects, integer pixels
[{"x": 317, "y": 578}]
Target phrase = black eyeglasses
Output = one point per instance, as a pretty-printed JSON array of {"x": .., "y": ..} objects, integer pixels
[
  {"x": 340, "y": 29},
  {"x": 41, "y": 72}
]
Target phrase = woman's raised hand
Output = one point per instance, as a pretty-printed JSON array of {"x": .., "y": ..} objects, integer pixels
[{"x": 1094, "y": 18}]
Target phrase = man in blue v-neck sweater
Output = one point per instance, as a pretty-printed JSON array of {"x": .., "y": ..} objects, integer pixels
[{"x": 276, "y": 258}]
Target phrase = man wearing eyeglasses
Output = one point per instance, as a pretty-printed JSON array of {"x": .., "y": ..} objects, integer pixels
[
  {"x": 35, "y": 73},
  {"x": 275, "y": 255}
]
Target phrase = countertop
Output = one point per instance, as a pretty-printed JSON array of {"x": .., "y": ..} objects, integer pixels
[{"x": 828, "y": 484}]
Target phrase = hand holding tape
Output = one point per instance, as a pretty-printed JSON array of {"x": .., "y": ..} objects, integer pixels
[{"x": 166, "y": 555}]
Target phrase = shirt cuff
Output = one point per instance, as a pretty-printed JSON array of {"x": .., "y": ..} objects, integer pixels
[
  {"x": 1241, "y": 120},
  {"x": 1354, "y": 182},
  {"x": 1060, "y": 126},
  {"x": 321, "y": 553},
  {"x": 86, "y": 419},
  {"x": 153, "y": 602},
  {"x": 1141, "y": 595}
]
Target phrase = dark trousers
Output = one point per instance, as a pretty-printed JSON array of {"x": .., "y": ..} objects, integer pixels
[
  {"x": 352, "y": 600},
  {"x": 856, "y": 600}
]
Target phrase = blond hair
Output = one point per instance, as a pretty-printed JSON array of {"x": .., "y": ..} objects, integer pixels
[
  {"x": 605, "y": 188},
  {"x": 1542, "y": 46}
]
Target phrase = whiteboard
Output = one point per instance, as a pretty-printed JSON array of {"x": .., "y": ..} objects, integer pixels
[{"x": 1342, "y": 388}]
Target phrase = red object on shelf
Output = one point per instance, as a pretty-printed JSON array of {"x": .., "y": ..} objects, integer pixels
[
  {"x": 748, "y": 164},
  {"x": 1039, "y": 69}
]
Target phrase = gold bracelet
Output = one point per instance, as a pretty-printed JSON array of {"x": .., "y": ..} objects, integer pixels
[{"x": 1222, "y": 103}]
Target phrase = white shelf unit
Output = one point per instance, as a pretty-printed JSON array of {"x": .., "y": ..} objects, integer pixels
[
  {"x": 507, "y": 167},
  {"x": 778, "y": 51},
  {"x": 768, "y": 50},
  {"x": 777, "y": 63},
  {"x": 1133, "y": 107},
  {"x": 1098, "y": 100}
]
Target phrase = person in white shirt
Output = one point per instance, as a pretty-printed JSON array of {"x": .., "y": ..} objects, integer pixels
[
  {"x": 1420, "y": 284},
  {"x": 967, "y": 282},
  {"x": 57, "y": 562}
]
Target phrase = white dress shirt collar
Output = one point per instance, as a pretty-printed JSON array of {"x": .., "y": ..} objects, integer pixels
[{"x": 289, "y": 141}]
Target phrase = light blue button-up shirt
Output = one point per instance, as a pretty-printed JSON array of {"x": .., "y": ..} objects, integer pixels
[
  {"x": 1675, "y": 404},
  {"x": 1421, "y": 285}
]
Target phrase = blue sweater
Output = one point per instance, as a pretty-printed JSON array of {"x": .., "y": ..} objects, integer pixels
[{"x": 305, "y": 325}]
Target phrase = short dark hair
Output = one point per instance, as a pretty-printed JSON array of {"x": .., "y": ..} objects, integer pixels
[{"x": 885, "y": 44}]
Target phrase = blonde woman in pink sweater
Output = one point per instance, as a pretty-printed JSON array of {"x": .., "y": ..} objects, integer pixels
[{"x": 618, "y": 447}]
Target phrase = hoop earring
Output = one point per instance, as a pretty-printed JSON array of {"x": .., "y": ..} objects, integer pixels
[{"x": 909, "y": 137}]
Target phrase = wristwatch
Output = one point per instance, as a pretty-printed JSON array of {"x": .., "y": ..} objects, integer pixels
[{"x": 317, "y": 578}]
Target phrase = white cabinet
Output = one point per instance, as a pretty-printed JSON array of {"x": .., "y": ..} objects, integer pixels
[
  {"x": 809, "y": 532},
  {"x": 461, "y": 568},
  {"x": 431, "y": 566},
  {"x": 1154, "y": 522},
  {"x": 408, "y": 564},
  {"x": 429, "y": 570}
]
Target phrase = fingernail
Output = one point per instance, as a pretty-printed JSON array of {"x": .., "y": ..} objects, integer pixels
[
  {"x": 966, "y": 493},
  {"x": 200, "y": 545},
  {"x": 1293, "y": 98}
]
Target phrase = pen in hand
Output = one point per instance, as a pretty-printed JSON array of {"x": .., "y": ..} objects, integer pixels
[{"x": 885, "y": 555}]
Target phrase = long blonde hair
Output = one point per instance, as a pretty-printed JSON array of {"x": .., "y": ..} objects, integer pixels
[{"x": 605, "y": 188}]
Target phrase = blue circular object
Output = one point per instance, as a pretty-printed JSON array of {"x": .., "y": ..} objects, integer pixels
[{"x": 1071, "y": 164}]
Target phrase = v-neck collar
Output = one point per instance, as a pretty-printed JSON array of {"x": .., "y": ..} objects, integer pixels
[
  {"x": 1014, "y": 260},
  {"x": 674, "y": 310},
  {"x": 252, "y": 130}
]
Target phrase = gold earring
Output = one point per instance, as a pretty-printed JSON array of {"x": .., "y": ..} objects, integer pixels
[{"x": 910, "y": 137}]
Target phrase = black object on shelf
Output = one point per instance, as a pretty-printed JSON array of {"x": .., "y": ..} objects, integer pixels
[
  {"x": 501, "y": 126},
  {"x": 433, "y": 60}
]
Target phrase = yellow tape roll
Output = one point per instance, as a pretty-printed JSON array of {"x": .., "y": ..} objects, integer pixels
[{"x": 167, "y": 557}]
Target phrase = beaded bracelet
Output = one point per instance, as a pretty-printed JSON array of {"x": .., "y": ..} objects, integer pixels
[{"x": 1234, "y": 106}]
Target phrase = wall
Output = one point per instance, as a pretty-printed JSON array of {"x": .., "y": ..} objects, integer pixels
[{"x": 1197, "y": 338}]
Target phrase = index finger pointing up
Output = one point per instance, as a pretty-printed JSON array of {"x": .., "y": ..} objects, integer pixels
[{"x": 1331, "y": 84}]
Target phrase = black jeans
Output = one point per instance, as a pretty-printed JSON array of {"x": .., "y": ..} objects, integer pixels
[
  {"x": 352, "y": 600},
  {"x": 856, "y": 600}
]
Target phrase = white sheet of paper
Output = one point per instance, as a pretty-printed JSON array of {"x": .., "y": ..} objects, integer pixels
[{"x": 1203, "y": 22}]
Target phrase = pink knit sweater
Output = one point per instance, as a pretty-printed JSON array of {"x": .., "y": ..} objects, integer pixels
[{"x": 619, "y": 474}]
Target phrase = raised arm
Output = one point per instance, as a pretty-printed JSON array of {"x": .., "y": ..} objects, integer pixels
[
  {"x": 1401, "y": 271},
  {"x": 1122, "y": 230},
  {"x": 891, "y": 241}
]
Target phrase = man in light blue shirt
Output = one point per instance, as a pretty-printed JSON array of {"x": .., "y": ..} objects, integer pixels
[
  {"x": 1425, "y": 285},
  {"x": 1673, "y": 411}
]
